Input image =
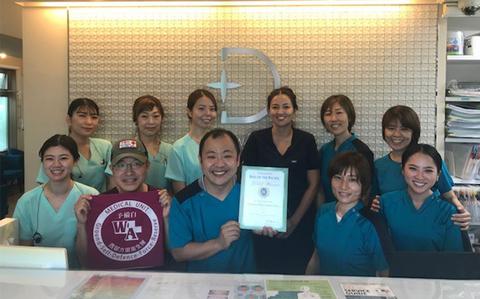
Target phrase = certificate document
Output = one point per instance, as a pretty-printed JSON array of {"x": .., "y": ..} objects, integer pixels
[{"x": 263, "y": 198}]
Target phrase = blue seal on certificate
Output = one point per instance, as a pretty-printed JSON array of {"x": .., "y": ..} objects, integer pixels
[{"x": 264, "y": 192}]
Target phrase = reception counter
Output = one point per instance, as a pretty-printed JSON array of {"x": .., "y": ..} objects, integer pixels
[{"x": 29, "y": 283}]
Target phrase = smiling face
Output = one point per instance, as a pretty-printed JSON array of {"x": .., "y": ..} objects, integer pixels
[
  {"x": 397, "y": 136},
  {"x": 346, "y": 187},
  {"x": 83, "y": 122},
  {"x": 58, "y": 163},
  {"x": 281, "y": 111},
  {"x": 336, "y": 120},
  {"x": 203, "y": 113},
  {"x": 128, "y": 174},
  {"x": 149, "y": 123},
  {"x": 219, "y": 160},
  {"x": 420, "y": 173}
]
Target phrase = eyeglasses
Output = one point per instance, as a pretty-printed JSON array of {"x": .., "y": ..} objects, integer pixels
[{"x": 124, "y": 166}]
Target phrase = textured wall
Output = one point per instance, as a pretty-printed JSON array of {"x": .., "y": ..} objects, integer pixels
[{"x": 377, "y": 55}]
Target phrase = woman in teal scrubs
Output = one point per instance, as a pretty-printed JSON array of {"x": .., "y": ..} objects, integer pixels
[
  {"x": 148, "y": 115},
  {"x": 91, "y": 168},
  {"x": 349, "y": 239},
  {"x": 45, "y": 214},
  {"x": 338, "y": 117},
  {"x": 418, "y": 219},
  {"x": 183, "y": 166},
  {"x": 400, "y": 129}
]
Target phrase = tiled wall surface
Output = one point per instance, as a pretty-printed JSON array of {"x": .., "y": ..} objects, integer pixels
[{"x": 377, "y": 55}]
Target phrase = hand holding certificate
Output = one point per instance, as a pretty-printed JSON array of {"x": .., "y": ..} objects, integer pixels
[{"x": 263, "y": 198}]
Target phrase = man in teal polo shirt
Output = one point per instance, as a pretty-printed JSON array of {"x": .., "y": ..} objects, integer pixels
[{"x": 203, "y": 225}]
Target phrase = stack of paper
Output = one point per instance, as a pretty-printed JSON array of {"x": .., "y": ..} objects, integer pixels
[
  {"x": 463, "y": 89},
  {"x": 463, "y": 122}
]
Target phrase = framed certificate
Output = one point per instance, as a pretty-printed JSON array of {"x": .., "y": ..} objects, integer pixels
[{"x": 263, "y": 198}]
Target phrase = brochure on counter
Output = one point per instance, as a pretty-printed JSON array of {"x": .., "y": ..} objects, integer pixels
[
  {"x": 367, "y": 291},
  {"x": 299, "y": 289},
  {"x": 109, "y": 287},
  {"x": 247, "y": 290}
]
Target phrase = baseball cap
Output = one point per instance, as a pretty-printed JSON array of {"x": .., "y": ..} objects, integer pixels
[{"x": 129, "y": 148}]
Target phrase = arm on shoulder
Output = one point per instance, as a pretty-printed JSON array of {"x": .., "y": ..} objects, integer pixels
[{"x": 462, "y": 218}]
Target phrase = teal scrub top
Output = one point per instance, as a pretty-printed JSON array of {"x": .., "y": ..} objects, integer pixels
[
  {"x": 89, "y": 172},
  {"x": 328, "y": 152},
  {"x": 351, "y": 246},
  {"x": 183, "y": 163},
  {"x": 428, "y": 228},
  {"x": 197, "y": 216},
  {"x": 158, "y": 166},
  {"x": 57, "y": 228}
]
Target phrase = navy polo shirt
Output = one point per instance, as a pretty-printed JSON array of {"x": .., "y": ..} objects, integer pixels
[
  {"x": 354, "y": 246},
  {"x": 427, "y": 229},
  {"x": 300, "y": 157},
  {"x": 328, "y": 152},
  {"x": 390, "y": 177},
  {"x": 197, "y": 216}
]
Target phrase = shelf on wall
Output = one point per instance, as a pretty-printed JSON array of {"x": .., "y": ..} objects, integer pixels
[
  {"x": 463, "y": 99},
  {"x": 462, "y": 140},
  {"x": 460, "y": 181},
  {"x": 463, "y": 58},
  {"x": 454, "y": 12}
]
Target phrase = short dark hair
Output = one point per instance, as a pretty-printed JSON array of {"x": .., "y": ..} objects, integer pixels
[
  {"x": 425, "y": 149},
  {"x": 64, "y": 141},
  {"x": 146, "y": 103},
  {"x": 286, "y": 91},
  {"x": 407, "y": 117},
  {"x": 345, "y": 103},
  {"x": 82, "y": 102},
  {"x": 196, "y": 95},
  {"x": 356, "y": 162},
  {"x": 216, "y": 133}
]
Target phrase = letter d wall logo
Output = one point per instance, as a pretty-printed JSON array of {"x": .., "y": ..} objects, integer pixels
[{"x": 224, "y": 85}]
